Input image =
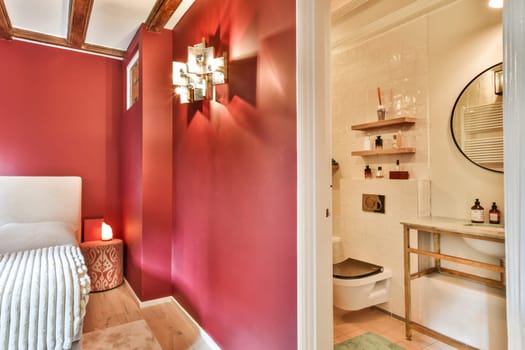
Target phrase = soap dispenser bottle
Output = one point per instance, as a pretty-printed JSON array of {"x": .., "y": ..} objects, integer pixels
[
  {"x": 379, "y": 142},
  {"x": 477, "y": 214},
  {"x": 494, "y": 214},
  {"x": 368, "y": 172}
]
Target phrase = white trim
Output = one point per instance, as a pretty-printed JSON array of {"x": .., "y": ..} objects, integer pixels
[
  {"x": 205, "y": 336},
  {"x": 132, "y": 292},
  {"x": 142, "y": 304},
  {"x": 69, "y": 49},
  {"x": 402, "y": 16},
  {"x": 514, "y": 128},
  {"x": 343, "y": 8},
  {"x": 314, "y": 287},
  {"x": 170, "y": 299}
]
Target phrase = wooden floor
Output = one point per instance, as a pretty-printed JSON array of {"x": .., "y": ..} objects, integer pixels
[
  {"x": 174, "y": 331},
  {"x": 171, "y": 327},
  {"x": 349, "y": 324}
]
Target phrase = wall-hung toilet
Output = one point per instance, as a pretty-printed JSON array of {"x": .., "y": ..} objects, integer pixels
[{"x": 357, "y": 284}]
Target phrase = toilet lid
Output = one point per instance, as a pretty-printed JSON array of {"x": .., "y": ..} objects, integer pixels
[{"x": 352, "y": 268}]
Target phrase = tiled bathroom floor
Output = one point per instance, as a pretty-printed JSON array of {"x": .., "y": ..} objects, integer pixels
[{"x": 349, "y": 324}]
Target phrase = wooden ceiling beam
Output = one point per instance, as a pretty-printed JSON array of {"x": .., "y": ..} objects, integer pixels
[
  {"x": 79, "y": 14},
  {"x": 161, "y": 13},
  {"x": 5, "y": 23},
  {"x": 53, "y": 40},
  {"x": 40, "y": 37},
  {"x": 103, "y": 50}
]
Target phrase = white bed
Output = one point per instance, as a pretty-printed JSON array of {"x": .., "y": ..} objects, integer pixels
[{"x": 44, "y": 285}]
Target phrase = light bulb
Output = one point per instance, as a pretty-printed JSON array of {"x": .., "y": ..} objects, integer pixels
[{"x": 107, "y": 232}]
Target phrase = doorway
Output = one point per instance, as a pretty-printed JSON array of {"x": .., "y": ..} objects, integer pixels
[{"x": 313, "y": 127}]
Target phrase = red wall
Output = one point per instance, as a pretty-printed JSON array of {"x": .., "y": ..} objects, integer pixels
[
  {"x": 234, "y": 237},
  {"x": 59, "y": 115},
  {"x": 132, "y": 180},
  {"x": 209, "y": 197},
  {"x": 147, "y": 168}
]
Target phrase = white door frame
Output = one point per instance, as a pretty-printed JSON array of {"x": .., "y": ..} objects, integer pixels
[
  {"x": 514, "y": 128},
  {"x": 314, "y": 299},
  {"x": 314, "y": 259}
]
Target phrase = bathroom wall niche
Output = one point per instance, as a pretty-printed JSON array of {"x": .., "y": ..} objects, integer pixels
[{"x": 477, "y": 119}]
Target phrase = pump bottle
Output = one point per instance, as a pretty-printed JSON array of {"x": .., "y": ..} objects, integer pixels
[
  {"x": 477, "y": 214},
  {"x": 494, "y": 214}
]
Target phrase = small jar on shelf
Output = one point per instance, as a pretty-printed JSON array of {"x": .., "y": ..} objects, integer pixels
[{"x": 379, "y": 173}]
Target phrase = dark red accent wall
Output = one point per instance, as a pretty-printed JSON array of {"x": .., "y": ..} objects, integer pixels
[
  {"x": 234, "y": 237},
  {"x": 60, "y": 115},
  {"x": 147, "y": 158}
]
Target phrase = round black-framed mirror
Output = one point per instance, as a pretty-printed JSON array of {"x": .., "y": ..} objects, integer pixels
[{"x": 476, "y": 122}]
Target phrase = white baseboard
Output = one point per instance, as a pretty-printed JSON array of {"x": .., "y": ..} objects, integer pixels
[
  {"x": 205, "y": 337},
  {"x": 142, "y": 304}
]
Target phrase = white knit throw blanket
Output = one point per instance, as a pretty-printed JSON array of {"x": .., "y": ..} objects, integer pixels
[{"x": 43, "y": 296}]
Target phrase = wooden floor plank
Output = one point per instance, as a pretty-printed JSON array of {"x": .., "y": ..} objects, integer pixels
[{"x": 169, "y": 324}]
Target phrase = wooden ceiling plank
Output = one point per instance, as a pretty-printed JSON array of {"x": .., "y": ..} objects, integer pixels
[
  {"x": 79, "y": 14},
  {"x": 161, "y": 13},
  {"x": 5, "y": 22}
]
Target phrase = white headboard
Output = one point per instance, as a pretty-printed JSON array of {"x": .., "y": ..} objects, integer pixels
[{"x": 41, "y": 198}]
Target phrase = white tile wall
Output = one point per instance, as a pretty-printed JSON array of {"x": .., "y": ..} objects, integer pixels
[
  {"x": 377, "y": 237},
  {"x": 407, "y": 61},
  {"x": 395, "y": 62}
]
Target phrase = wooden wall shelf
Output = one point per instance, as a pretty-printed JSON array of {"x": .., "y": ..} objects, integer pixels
[
  {"x": 383, "y": 123},
  {"x": 377, "y": 152}
]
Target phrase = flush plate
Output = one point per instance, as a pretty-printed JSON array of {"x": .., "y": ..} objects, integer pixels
[{"x": 374, "y": 203}]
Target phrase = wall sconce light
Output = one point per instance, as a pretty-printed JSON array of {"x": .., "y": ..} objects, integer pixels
[
  {"x": 194, "y": 81},
  {"x": 106, "y": 233},
  {"x": 496, "y": 4}
]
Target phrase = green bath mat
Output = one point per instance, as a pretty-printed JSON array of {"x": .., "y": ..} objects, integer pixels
[{"x": 367, "y": 341}]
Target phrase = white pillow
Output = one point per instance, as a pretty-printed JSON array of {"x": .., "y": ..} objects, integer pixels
[{"x": 31, "y": 235}]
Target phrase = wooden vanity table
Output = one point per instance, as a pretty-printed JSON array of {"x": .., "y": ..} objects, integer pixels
[{"x": 436, "y": 227}]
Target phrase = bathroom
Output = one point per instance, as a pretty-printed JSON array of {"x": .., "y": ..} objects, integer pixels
[{"x": 425, "y": 53}]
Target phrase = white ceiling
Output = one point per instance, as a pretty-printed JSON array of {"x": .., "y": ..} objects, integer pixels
[
  {"x": 48, "y": 17},
  {"x": 355, "y": 21},
  {"x": 112, "y": 23}
]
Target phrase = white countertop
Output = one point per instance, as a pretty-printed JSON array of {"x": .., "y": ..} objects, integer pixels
[{"x": 457, "y": 225}]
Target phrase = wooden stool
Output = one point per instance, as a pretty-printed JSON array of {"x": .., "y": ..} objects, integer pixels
[{"x": 104, "y": 263}]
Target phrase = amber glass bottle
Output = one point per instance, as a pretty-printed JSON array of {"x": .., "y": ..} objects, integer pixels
[
  {"x": 368, "y": 172},
  {"x": 477, "y": 214},
  {"x": 494, "y": 214},
  {"x": 379, "y": 142}
]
